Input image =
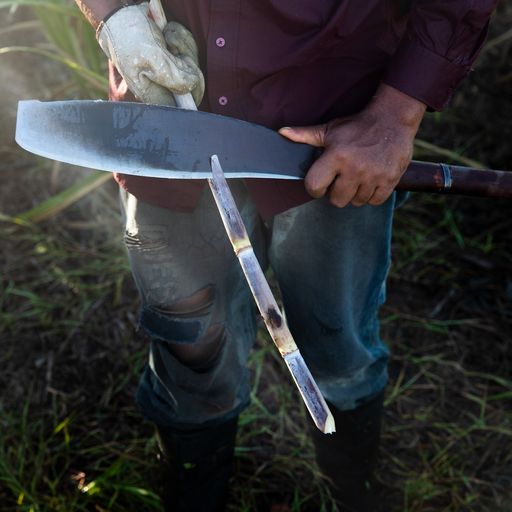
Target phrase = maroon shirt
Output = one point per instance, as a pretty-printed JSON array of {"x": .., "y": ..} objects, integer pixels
[{"x": 302, "y": 62}]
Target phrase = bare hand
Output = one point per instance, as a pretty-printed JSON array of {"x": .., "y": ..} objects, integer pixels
[{"x": 365, "y": 154}]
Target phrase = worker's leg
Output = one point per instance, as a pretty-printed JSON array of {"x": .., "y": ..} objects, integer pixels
[
  {"x": 332, "y": 264},
  {"x": 199, "y": 314}
]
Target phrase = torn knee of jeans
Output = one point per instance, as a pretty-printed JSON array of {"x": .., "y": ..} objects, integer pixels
[
  {"x": 181, "y": 321},
  {"x": 198, "y": 304},
  {"x": 185, "y": 327},
  {"x": 200, "y": 355}
]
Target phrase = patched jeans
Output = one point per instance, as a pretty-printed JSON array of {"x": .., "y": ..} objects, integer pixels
[{"x": 331, "y": 265}]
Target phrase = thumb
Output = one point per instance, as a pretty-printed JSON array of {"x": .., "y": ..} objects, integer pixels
[{"x": 313, "y": 135}]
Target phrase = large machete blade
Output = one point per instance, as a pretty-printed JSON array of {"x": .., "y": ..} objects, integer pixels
[{"x": 156, "y": 141}]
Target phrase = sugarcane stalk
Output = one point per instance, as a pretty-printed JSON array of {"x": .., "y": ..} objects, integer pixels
[
  {"x": 267, "y": 305},
  {"x": 239, "y": 239}
]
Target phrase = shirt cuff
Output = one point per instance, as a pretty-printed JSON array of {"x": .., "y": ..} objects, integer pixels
[{"x": 424, "y": 75}]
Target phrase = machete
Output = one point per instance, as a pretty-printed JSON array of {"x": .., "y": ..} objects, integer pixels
[
  {"x": 166, "y": 142},
  {"x": 160, "y": 141},
  {"x": 156, "y": 141}
]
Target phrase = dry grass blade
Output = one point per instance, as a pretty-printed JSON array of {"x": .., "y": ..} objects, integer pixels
[
  {"x": 20, "y": 26},
  {"x": 93, "y": 80},
  {"x": 56, "y": 6},
  {"x": 447, "y": 153},
  {"x": 59, "y": 202},
  {"x": 497, "y": 40}
]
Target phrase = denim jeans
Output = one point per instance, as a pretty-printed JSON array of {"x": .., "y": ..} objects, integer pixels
[{"x": 331, "y": 265}]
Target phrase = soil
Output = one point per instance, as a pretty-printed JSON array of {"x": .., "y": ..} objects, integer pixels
[{"x": 448, "y": 316}]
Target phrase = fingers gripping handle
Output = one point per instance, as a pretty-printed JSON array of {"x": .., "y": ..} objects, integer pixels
[{"x": 185, "y": 101}]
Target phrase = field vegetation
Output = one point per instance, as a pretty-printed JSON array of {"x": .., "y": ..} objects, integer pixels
[{"x": 71, "y": 438}]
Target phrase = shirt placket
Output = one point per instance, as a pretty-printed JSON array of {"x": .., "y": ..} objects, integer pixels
[{"x": 222, "y": 56}]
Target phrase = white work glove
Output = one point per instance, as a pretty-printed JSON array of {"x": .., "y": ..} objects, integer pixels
[{"x": 137, "y": 48}]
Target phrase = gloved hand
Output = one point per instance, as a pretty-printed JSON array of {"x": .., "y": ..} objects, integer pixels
[{"x": 133, "y": 42}]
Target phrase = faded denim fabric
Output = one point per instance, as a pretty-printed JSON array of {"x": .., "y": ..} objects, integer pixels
[{"x": 331, "y": 266}]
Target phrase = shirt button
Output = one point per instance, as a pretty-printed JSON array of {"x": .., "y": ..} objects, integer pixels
[
  {"x": 220, "y": 42},
  {"x": 223, "y": 100}
]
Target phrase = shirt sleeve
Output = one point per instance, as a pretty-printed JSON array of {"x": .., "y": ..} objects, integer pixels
[{"x": 439, "y": 47}]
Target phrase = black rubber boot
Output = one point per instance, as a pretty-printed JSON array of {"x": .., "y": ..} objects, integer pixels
[
  {"x": 197, "y": 467},
  {"x": 348, "y": 457}
]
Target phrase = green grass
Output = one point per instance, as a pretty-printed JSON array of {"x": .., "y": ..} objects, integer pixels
[
  {"x": 50, "y": 463},
  {"x": 71, "y": 438},
  {"x": 69, "y": 40}
]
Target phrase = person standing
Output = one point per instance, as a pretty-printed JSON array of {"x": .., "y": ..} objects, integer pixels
[{"x": 353, "y": 78}]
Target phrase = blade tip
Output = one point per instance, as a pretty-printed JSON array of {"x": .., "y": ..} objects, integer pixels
[{"x": 330, "y": 425}]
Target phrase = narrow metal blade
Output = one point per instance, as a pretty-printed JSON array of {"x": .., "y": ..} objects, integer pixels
[
  {"x": 156, "y": 141},
  {"x": 315, "y": 402}
]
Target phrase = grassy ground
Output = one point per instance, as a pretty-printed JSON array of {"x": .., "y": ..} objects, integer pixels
[{"x": 72, "y": 440}]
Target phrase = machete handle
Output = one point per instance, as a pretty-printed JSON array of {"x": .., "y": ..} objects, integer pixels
[
  {"x": 447, "y": 179},
  {"x": 454, "y": 179}
]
